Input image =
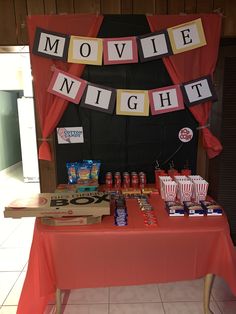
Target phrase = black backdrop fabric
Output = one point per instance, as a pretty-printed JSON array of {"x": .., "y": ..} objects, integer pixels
[{"x": 127, "y": 143}]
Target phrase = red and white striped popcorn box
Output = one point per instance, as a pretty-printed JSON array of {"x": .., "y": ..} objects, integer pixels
[
  {"x": 169, "y": 189},
  {"x": 163, "y": 179},
  {"x": 180, "y": 178},
  {"x": 200, "y": 188},
  {"x": 177, "y": 179},
  {"x": 185, "y": 190},
  {"x": 195, "y": 177}
]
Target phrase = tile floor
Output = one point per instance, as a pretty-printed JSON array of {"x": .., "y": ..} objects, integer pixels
[{"x": 171, "y": 298}]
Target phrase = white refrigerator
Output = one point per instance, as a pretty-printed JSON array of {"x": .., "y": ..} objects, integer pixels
[{"x": 29, "y": 153}]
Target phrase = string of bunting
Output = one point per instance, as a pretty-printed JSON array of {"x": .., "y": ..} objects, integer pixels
[{"x": 77, "y": 49}]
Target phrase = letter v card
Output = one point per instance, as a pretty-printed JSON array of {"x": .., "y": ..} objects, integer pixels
[
  {"x": 99, "y": 98},
  {"x": 120, "y": 50},
  {"x": 50, "y": 44}
]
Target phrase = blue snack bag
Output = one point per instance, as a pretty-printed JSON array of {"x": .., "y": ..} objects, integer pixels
[{"x": 72, "y": 172}]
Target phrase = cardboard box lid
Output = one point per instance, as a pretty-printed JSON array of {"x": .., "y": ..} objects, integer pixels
[{"x": 58, "y": 205}]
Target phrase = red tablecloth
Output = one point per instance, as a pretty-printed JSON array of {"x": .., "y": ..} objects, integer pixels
[{"x": 178, "y": 248}]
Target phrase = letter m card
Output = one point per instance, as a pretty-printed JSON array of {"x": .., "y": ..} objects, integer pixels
[
  {"x": 187, "y": 36},
  {"x": 67, "y": 86},
  {"x": 166, "y": 99},
  {"x": 50, "y": 44}
]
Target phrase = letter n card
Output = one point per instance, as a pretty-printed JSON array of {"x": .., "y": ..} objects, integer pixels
[{"x": 67, "y": 86}]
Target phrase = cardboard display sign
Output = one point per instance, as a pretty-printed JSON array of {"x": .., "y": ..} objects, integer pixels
[
  {"x": 50, "y": 44},
  {"x": 60, "y": 205},
  {"x": 68, "y": 135}
]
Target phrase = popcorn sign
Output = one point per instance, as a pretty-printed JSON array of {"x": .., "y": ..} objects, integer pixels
[
  {"x": 69, "y": 135},
  {"x": 185, "y": 135}
]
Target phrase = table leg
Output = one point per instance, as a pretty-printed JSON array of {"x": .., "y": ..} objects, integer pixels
[
  {"x": 207, "y": 293},
  {"x": 58, "y": 301}
]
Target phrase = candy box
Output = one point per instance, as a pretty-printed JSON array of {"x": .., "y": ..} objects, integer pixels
[
  {"x": 193, "y": 209},
  {"x": 212, "y": 208},
  {"x": 174, "y": 208}
]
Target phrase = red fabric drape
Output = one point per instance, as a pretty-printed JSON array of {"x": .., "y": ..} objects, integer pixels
[
  {"x": 193, "y": 64},
  {"x": 49, "y": 107}
]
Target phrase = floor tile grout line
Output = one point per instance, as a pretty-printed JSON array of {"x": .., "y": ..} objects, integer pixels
[{"x": 11, "y": 290}]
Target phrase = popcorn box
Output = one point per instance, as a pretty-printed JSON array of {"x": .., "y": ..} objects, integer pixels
[
  {"x": 185, "y": 190},
  {"x": 161, "y": 180},
  {"x": 169, "y": 190},
  {"x": 195, "y": 177},
  {"x": 180, "y": 178},
  {"x": 200, "y": 188}
]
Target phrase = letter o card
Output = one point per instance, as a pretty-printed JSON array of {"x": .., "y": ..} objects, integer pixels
[
  {"x": 85, "y": 50},
  {"x": 132, "y": 102},
  {"x": 187, "y": 36}
]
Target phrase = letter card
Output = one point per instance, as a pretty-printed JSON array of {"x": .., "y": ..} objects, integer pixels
[
  {"x": 187, "y": 36},
  {"x": 166, "y": 99},
  {"x": 50, "y": 44},
  {"x": 132, "y": 102},
  {"x": 67, "y": 86}
]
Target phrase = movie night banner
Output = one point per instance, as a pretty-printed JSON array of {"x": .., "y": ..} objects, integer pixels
[
  {"x": 107, "y": 51},
  {"x": 131, "y": 102}
]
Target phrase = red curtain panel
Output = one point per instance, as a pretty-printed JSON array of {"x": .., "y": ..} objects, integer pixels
[
  {"x": 50, "y": 108},
  {"x": 193, "y": 64}
]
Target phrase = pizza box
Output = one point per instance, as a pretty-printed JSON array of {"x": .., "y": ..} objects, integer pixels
[
  {"x": 60, "y": 205},
  {"x": 71, "y": 221}
]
